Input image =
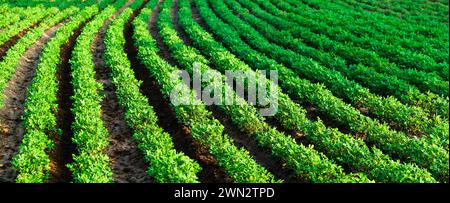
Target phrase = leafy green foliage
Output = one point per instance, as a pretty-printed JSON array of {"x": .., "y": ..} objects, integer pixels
[
  {"x": 204, "y": 128},
  {"x": 329, "y": 140},
  {"x": 166, "y": 165},
  {"x": 430, "y": 37},
  {"x": 13, "y": 55},
  {"x": 391, "y": 142},
  {"x": 409, "y": 118},
  {"x": 32, "y": 161},
  {"x": 350, "y": 52},
  {"x": 377, "y": 82},
  {"x": 246, "y": 117},
  {"x": 91, "y": 137},
  {"x": 37, "y": 14},
  {"x": 378, "y": 69},
  {"x": 404, "y": 58}
]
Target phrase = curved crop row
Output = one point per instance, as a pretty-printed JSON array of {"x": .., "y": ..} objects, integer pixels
[
  {"x": 404, "y": 58},
  {"x": 409, "y": 118},
  {"x": 165, "y": 164},
  {"x": 7, "y": 5},
  {"x": 91, "y": 164},
  {"x": 410, "y": 11},
  {"x": 307, "y": 163},
  {"x": 380, "y": 83},
  {"x": 414, "y": 150},
  {"x": 434, "y": 37},
  {"x": 37, "y": 13},
  {"x": 353, "y": 54},
  {"x": 204, "y": 128},
  {"x": 32, "y": 161},
  {"x": 292, "y": 83},
  {"x": 12, "y": 57},
  {"x": 426, "y": 34},
  {"x": 13, "y": 15},
  {"x": 359, "y": 157},
  {"x": 359, "y": 27}
]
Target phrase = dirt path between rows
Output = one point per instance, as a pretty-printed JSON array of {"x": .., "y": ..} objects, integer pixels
[
  {"x": 61, "y": 155},
  {"x": 126, "y": 161},
  {"x": 182, "y": 139},
  {"x": 154, "y": 30},
  {"x": 261, "y": 155},
  {"x": 11, "y": 123},
  {"x": 313, "y": 113},
  {"x": 211, "y": 171},
  {"x": 13, "y": 40}
]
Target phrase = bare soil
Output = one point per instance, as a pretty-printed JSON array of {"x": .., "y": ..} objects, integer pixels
[
  {"x": 61, "y": 155},
  {"x": 11, "y": 123},
  {"x": 163, "y": 49},
  {"x": 241, "y": 139},
  {"x": 126, "y": 161},
  {"x": 175, "y": 18},
  {"x": 262, "y": 156}
]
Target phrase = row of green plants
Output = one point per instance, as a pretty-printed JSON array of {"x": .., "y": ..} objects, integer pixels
[
  {"x": 362, "y": 28},
  {"x": 408, "y": 118},
  {"x": 166, "y": 165},
  {"x": 417, "y": 120},
  {"x": 32, "y": 161},
  {"x": 379, "y": 167},
  {"x": 208, "y": 131},
  {"x": 403, "y": 58},
  {"x": 433, "y": 35},
  {"x": 439, "y": 7},
  {"x": 413, "y": 11},
  {"x": 405, "y": 10},
  {"x": 36, "y": 15},
  {"x": 393, "y": 143},
  {"x": 293, "y": 84},
  {"x": 60, "y": 4},
  {"x": 353, "y": 54},
  {"x": 413, "y": 120},
  {"x": 4, "y": 8},
  {"x": 14, "y": 14},
  {"x": 90, "y": 163},
  {"x": 379, "y": 83},
  {"x": 306, "y": 163},
  {"x": 13, "y": 55},
  {"x": 407, "y": 35}
]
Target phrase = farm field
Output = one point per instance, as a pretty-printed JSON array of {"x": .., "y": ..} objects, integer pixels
[{"x": 347, "y": 91}]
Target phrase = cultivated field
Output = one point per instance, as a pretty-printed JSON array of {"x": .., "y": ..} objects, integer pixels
[{"x": 357, "y": 91}]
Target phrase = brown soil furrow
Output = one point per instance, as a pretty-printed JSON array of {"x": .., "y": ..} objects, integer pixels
[
  {"x": 61, "y": 155},
  {"x": 175, "y": 18},
  {"x": 196, "y": 16},
  {"x": 126, "y": 161},
  {"x": 13, "y": 40},
  {"x": 11, "y": 123},
  {"x": 262, "y": 156},
  {"x": 182, "y": 139}
]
